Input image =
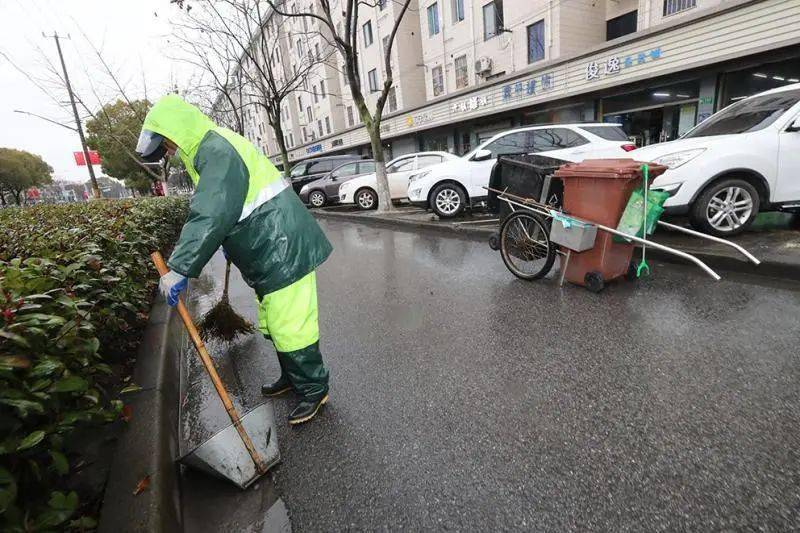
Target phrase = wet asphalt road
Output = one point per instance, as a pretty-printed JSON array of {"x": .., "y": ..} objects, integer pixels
[{"x": 462, "y": 398}]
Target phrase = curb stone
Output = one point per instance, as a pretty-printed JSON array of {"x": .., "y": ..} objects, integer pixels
[
  {"x": 718, "y": 261},
  {"x": 446, "y": 228},
  {"x": 149, "y": 443}
]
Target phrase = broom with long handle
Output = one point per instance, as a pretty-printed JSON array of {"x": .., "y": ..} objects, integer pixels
[
  {"x": 222, "y": 321},
  {"x": 212, "y": 372}
]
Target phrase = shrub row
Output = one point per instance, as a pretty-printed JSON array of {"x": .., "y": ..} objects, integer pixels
[{"x": 75, "y": 289}]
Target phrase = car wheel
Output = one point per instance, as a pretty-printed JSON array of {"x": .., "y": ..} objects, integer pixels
[
  {"x": 726, "y": 208},
  {"x": 317, "y": 198},
  {"x": 447, "y": 200},
  {"x": 366, "y": 199}
]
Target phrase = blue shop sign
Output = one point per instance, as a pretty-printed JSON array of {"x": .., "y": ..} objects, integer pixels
[
  {"x": 615, "y": 64},
  {"x": 314, "y": 149},
  {"x": 538, "y": 84}
]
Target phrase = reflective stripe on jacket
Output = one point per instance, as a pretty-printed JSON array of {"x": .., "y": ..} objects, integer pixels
[{"x": 241, "y": 202}]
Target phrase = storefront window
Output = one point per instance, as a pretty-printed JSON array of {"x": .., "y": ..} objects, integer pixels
[
  {"x": 654, "y": 115},
  {"x": 743, "y": 83}
]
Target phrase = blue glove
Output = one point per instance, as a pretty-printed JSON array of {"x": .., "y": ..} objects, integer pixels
[{"x": 171, "y": 284}]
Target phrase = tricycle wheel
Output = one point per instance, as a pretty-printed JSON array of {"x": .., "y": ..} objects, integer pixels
[
  {"x": 594, "y": 281},
  {"x": 526, "y": 247},
  {"x": 494, "y": 241}
]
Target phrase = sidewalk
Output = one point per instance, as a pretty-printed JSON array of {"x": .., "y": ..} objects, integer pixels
[{"x": 778, "y": 249}]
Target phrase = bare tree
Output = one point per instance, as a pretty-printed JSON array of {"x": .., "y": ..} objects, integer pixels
[
  {"x": 345, "y": 39},
  {"x": 260, "y": 76},
  {"x": 51, "y": 81}
]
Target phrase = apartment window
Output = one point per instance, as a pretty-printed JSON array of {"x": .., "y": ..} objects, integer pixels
[
  {"x": 391, "y": 100},
  {"x": 438, "y": 80},
  {"x": 328, "y": 125},
  {"x": 316, "y": 50},
  {"x": 322, "y": 89},
  {"x": 344, "y": 75},
  {"x": 350, "y": 121},
  {"x": 309, "y": 116},
  {"x": 316, "y": 96},
  {"x": 536, "y": 42},
  {"x": 462, "y": 72},
  {"x": 621, "y": 25},
  {"x": 299, "y": 48},
  {"x": 458, "y": 11},
  {"x": 300, "y": 104},
  {"x": 367, "y": 33},
  {"x": 433, "y": 19},
  {"x": 319, "y": 127},
  {"x": 492, "y": 19},
  {"x": 676, "y": 6},
  {"x": 373, "y": 80},
  {"x": 291, "y": 42}
]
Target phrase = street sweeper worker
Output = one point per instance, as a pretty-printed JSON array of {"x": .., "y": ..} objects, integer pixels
[{"x": 242, "y": 202}]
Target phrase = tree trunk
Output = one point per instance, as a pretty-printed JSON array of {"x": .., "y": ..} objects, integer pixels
[
  {"x": 3, "y": 199},
  {"x": 17, "y": 195},
  {"x": 381, "y": 180},
  {"x": 277, "y": 127}
]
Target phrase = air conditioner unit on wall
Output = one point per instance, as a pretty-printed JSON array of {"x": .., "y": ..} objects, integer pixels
[{"x": 483, "y": 65}]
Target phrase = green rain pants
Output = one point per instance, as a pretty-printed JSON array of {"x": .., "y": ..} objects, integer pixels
[{"x": 290, "y": 317}]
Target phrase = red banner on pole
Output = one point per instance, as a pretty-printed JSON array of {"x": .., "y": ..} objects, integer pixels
[{"x": 80, "y": 160}]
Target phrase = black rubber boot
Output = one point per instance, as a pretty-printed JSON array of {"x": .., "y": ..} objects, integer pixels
[
  {"x": 306, "y": 410},
  {"x": 309, "y": 378},
  {"x": 283, "y": 385}
]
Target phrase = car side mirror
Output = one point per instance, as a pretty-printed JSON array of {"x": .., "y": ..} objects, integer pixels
[
  {"x": 482, "y": 155},
  {"x": 794, "y": 127}
]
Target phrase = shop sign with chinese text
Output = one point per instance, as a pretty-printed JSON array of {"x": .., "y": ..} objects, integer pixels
[{"x": 615, "y": 64}]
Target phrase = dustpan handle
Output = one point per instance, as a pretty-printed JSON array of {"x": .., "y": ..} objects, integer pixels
[{"x": 162, "y": 268}]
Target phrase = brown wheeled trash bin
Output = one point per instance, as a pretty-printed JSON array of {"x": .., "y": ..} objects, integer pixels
[{"x": 597, "y": 190}]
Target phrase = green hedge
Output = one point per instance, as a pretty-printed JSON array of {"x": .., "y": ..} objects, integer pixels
[{"x": 75, "y": 288}]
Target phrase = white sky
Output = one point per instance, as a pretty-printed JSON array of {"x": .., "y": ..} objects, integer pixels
[{"x": 133, "y": 40}]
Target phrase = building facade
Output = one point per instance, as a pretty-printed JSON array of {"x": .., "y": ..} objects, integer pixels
[{"x": 465, "y": 70}]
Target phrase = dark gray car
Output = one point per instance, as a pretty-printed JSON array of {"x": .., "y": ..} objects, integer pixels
[
  {"x": 325, "y": 191},
  {"x": 310, "y": 170}
]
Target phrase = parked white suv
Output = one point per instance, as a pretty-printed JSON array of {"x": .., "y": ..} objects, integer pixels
[
  {"x": 449, "y": 187},
  {"x": 362, "y": 191},
  {"x": 742, "y": 160}
]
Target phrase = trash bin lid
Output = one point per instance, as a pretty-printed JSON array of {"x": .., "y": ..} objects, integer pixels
[{"x": 609, "y": 168}]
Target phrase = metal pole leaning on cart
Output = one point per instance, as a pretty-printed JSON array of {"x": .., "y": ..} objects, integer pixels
[
  {"x": 750, "y": 257},
  {"x": 542, "y": 209}
]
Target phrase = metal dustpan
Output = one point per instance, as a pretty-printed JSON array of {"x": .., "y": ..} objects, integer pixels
[
  {"x": 224, "y": 455},
  {"x": 246, "y": 449}
]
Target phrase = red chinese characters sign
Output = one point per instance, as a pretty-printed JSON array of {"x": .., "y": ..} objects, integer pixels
[{"x": 80, "y": 160}]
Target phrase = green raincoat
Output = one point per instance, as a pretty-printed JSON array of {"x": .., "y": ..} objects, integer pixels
[{"x": 240, "y": 202}]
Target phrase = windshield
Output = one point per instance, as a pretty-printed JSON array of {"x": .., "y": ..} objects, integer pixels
[
  {"x": 609, "y": 133},
  {"x": 299, "y": 170},
  {"x": 752, "y": 114}
]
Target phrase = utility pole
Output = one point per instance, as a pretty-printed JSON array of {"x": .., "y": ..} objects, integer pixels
[{"x": 95, "y": 188}]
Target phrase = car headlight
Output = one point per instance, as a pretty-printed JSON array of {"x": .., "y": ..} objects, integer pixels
[
  {"x": 304, "y": 189},
  {"x": 679, "y": 158},
  {"x": 415, "y": 177}
]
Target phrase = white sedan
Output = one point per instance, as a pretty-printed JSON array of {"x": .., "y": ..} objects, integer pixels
[{"x": 362, "y": 190}]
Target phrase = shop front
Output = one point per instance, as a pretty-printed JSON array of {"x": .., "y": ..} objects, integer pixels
[{"x": 655, "y": 115}]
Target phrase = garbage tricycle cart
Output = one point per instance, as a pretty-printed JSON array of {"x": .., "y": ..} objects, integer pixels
[{"x": 607, "y": 209}]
